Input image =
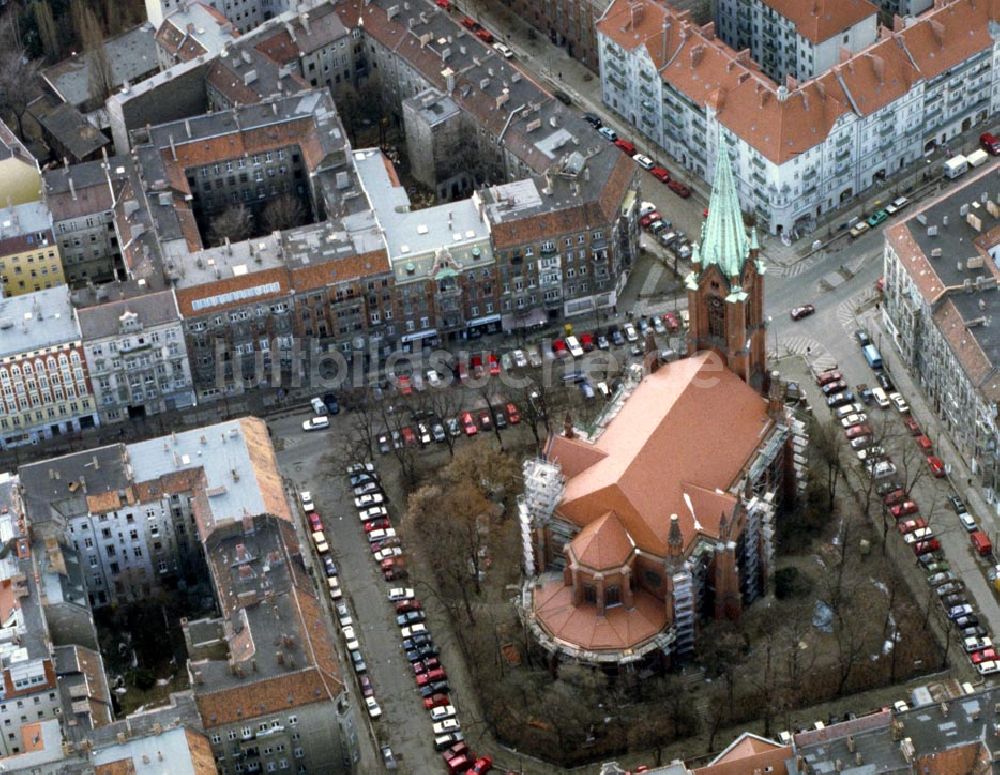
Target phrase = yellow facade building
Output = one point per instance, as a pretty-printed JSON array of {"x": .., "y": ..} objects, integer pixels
[
  {"x": 20, "y": 178},
  {"x": 29, "y": 255}
]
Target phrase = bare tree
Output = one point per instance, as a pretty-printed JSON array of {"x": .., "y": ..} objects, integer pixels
[
  {"x": 235, "y": 222},
  {"x": 18, "y": 74},
  {"x": 282, "y": 213},
  {"x": 825, "y": 439},
  {"x": 41, "y": 10}
]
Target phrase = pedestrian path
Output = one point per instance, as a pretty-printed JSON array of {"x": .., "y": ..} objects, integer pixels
[{"x": 815, "y": 353}]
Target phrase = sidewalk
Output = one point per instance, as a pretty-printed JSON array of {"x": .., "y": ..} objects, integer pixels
[{"x": 959, "y": 475}]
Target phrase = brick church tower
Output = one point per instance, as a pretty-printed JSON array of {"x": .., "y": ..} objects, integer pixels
[{"x": 726, "y": 285}]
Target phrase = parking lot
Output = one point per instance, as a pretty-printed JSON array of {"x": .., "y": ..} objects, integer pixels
[{"x": 929, "y": 519}]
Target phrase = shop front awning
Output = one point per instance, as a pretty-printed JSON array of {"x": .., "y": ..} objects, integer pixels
[
  {"x": 483, "y": 321},
  {"x": 427, "y": 333},
  {"x": 526, "y": 319}
]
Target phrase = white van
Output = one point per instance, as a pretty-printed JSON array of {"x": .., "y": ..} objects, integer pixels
[{"x": 880, "y": 398}]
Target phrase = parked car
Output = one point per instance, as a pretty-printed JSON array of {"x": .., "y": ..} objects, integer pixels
[
  {"x": 661, "y": 174},
  {"x": 903, "y": 509},
  {"x": 679, "y": 188},
  {"x": 862, "y": 337},
  {"x": 936, "y": 466},
  {"x": 630, "y": 333},
  {"x": 316, "y": 423},
  {"x": 513, "y": 415},
  {"x": 899, "y": 402},
  {"x": 826, "y": 377},
  {"x": 837, "y": 399},
  {"x": 401, "y": 593},
  {"x": 968, "y": 522},
  {"x": 468, "y": 424},
  {"x": 485, "y": 420},
  {"x": 644, "y": 161},
  {"x": 802, "y": 312}
]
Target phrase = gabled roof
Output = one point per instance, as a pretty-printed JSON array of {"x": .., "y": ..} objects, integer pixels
[
  {"x": 818, "y": 20},
  {"x": 676, "y": 447},
  {"x": 604, "y": 544}
]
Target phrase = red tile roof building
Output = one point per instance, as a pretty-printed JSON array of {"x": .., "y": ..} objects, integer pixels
[
  {"x": 661, "y": 514},
  {"x": 800, "y": 147}
]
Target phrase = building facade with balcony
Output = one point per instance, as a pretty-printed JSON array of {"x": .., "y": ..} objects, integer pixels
[
  {"x": 800, "y": 149},
  {"x": 135, "y": 353},
  {"x": 788, "y": 38},
  {"x": 942, "y": 267}
]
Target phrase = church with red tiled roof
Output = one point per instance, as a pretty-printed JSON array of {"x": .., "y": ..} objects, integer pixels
[{"x": 661, "y": 515}]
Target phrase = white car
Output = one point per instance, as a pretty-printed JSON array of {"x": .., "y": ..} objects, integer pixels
[
  {"x": 307, "y": 501},
  {"x": 434, "y": 379},
  {"x": 372, "y": 499},
  {"x": 360, "y": 468},
  {"x": 573, "y": 345},
  {"x": 373, "y": 512},
  {"x": 977, "y": 644},
  {"x": 446, "y": 726},
  {"x": 872, "y": 453},
  {"x": 853, "y": 419},
  {"x": 896, "y": 205},
  {"x": 346, "y": 621},
  {"x": 920, "y": 534},
  {"x": 643, "y": 161},
  {"x": 316, "y": 424},
  {"x": 409, "y": 632},
  {"x": 401, "y": 593},
  {"x": 367, "y": 487},
  {"x": 503, "y": 50},
  {"x": 882, "y": 469},
  {"x": 842, "y": 411},
  {"x": 381, "y": 535},
  {"x": 520, "y": 359},
  {"x": 899, "y": 402},
  {"x": 385, "y": 554},
  {"x": 968, "y": 521},
  {"x": 988, "y": 667},
  {"x": 880, "y": 398},
  {"x": 349, "y": 633},
  {"x": 443, "y": 712},
  {"x": 374, "y": 711}
]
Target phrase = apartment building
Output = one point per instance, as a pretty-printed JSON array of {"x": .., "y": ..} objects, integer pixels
[
  {"x": 135, "y": 351},
  {"x": 244, "y": 14},
  {"x": 567, "y": 23},
  {"x": 18, "y": 170},
  {"x": 81, "y": 200},
  {"x": 43, "y": 376},
  {"x": 276, "y": 701},
  {"x": 942, "y": 269},
  {"x": 799, "y": 150},
  {"x": 791, "y": 38},
  {"x": 137, "y": 514},
  {"x": 905, "y": 7},
  {"x": 29, "y": 255},
  {"x": 193, "y": 30}
]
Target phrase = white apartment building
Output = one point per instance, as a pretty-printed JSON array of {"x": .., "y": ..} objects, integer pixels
[
  {"x": 942, "y": 270},
  {"x": 796, "y": 38},
  {"x": 136, "y": 354},
  {"x": 800, "y": 149},
  {"x": 244, "y": 14}
]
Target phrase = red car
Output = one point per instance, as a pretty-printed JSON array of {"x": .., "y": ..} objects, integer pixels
[
  {"x": 829, "y": 376},
  {"x": 587, "y": 342},
  {"x": 625, "y": 146},
  {"x": 903, "y": 509},
  {"x": 457, "y": 762},
  {"x": 559, "y": 348},
  {"x": 468, "y": 424},
  {"x": 924, "y": 442},
  {"x": 911, "y": 425},
  {"x": 494, "y": 365},
  {"x": 446, "y": 4},
  {"x": 984, "y": 656},
  {"x": 315, "y": 522},
  {"x": 469, "y": 24},
  {"x": 405, "y": 606},
  {"x": 403, "y": 385},
  {"x": 484, "y": 35},
  {"x": 894, "y": 497},
  {"x": 476, "y": 364},
  {"x": 909, "y": 525},
  {"x": 936, "y": 466},
  {"x": 926, "y": 547},
  {"x": 483, "y": 765},
  {"x": 431, "y": 676},
  {"x": 649, "y": 218},
  {"x": 513, "y": 416},
  {"x": 377, "y": 524},
  {"x": 427, "y": 664},
  {"x": 409, "y": 437},
  {"x": 436, "y": 701},
  {"x": 660, "y": 174},
  {"x": 680, "y": 189},
  {"x": 367, "y": 690},
  {"x": 671, "y": 322},
  {"x": 858, "y": 430}
]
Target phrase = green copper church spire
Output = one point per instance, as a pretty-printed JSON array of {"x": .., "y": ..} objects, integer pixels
[{"x": 724, "y": 237}]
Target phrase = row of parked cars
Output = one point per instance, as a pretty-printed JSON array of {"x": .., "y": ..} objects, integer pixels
[
  {"x": 427, "y": 428},
  {"x": 662, "y": 229},
  {"x": 900, "y": 506},
  {"x": 655, "y": 169},
  {"x": 416, "y": 640}
]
